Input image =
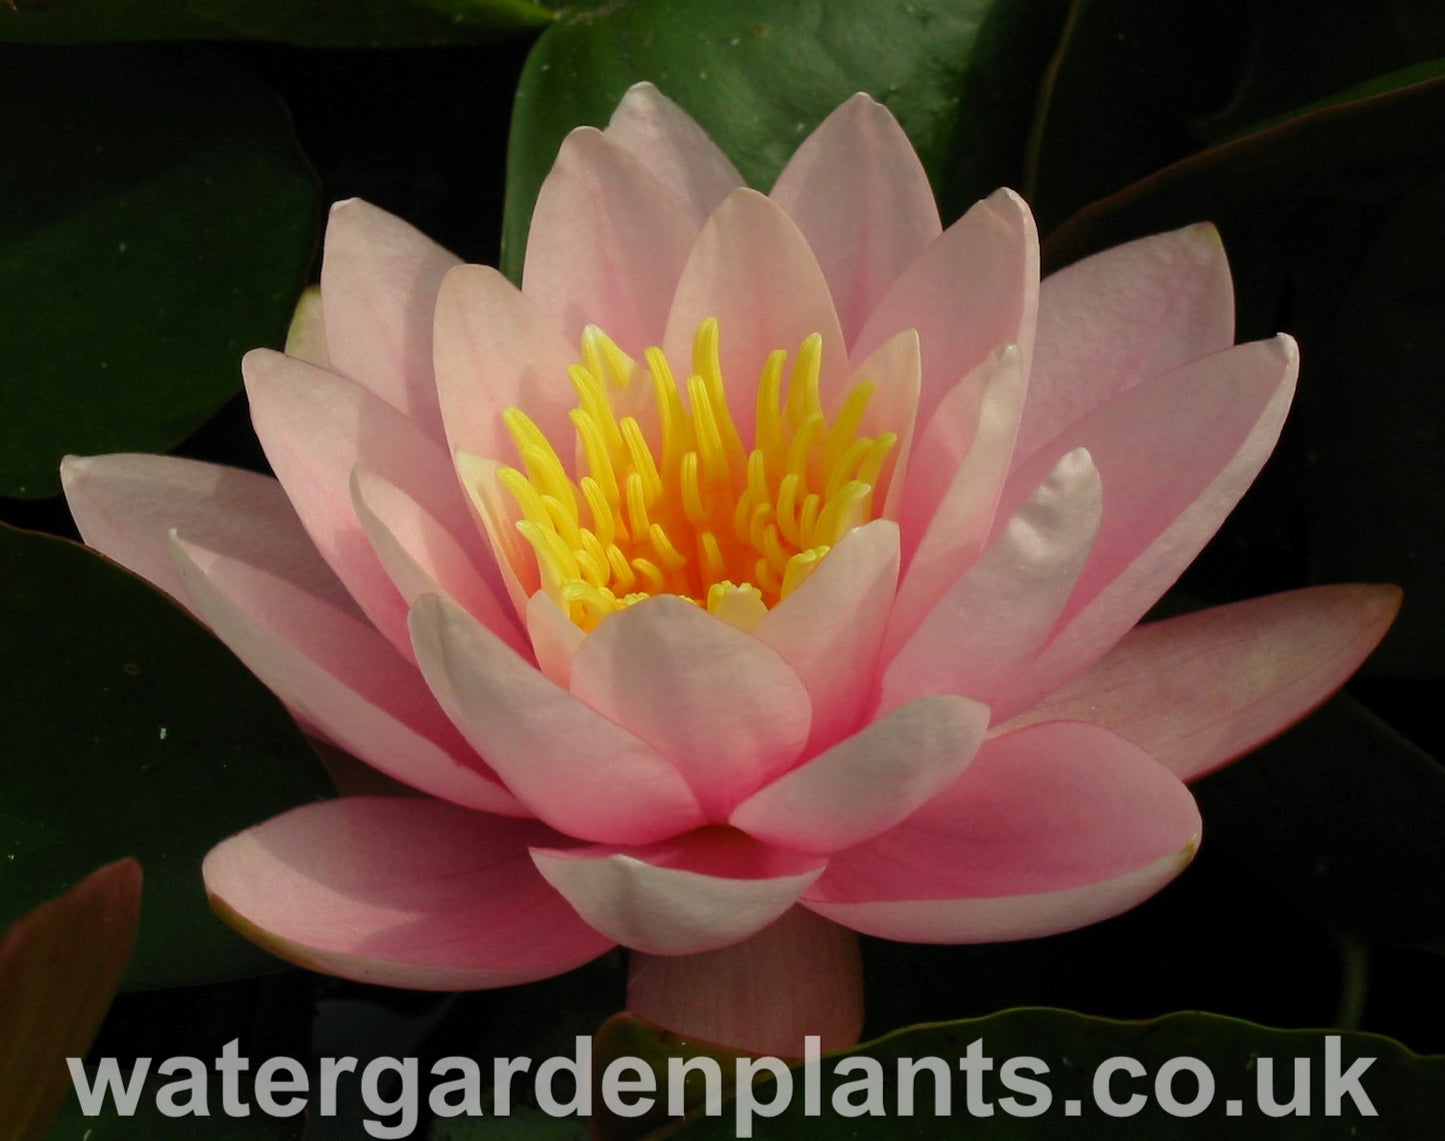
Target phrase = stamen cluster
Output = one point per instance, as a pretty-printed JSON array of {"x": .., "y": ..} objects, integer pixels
[{"x": 731, "y": 529}]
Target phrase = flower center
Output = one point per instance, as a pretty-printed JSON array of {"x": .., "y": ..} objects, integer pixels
[{"x": 682, "y": 507}]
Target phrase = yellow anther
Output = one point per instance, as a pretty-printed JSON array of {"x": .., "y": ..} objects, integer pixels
[{"x": 754, "y": 524}]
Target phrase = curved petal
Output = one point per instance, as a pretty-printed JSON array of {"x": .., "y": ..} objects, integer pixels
[
  {"x": 1199, "y": 690},
  {"x": 679, "y": 153},
  {"x": 861, "y": 198},
  {"x": 340, "y": 676},
  {"x": 555, "y": 638},
  {"x": 607, "y": 244},
  {"x": 1175, "y": 453},
  {"x": 870, "y": 781},
  {"x": 306, "y": 335},
  {"x": 496, "y": 513},
  {"x": 575, "y": 769},
  {"x": 379, "y": 281},
  {"x": 724, "y": 708},
  {"x": 1051, "y": 827},
  {"x": 752, "y": 269},
  {"x": 315, "y": 427},
  {"x": 697, "y": 892},
  {"x": 975, "y": 287},
  {"x": 399, "y": 892},
  {"x": 496, "y": 349},
  {"x": 126, "y": 506},
  {"x": 895, "y": 369},
  {"x": 801, "y": 975},
  {"x": 990, "y": 623},
  {"x": 828, "y": 629},
  {"x": 1117, "y": 318},
  {"x": 956, "y": 476},
  {"x": 423, "y": 557}
]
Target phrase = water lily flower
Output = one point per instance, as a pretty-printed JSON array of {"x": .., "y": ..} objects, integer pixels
[{"x": 765, "y": 570}]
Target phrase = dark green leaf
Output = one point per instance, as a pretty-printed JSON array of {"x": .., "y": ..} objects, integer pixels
[
  {"x": 130, "y": 731},
  {"x": 1407, "y": 1091},
  {"x": 1342, "y": 815},
  {"x": 159, "y": 221},
  {"x": 321, "y": 23},
  {"x": 59, "y": 968},
  {"x": 1302, "y": 52},
  {"x": 759, "y": 76},
  {"x": 1129, "y": 80}
]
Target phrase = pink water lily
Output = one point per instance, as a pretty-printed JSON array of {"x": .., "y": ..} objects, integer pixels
[{"x": 766, "y": 569}]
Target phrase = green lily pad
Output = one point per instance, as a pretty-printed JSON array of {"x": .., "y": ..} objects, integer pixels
[
  {"x": 159, "y": 221},
  {"x": 130, "y": 731},
  {"x": 59, "y": 968},
  {"x": 319, "y": 23},
  {"x": 758, "y": 76},
  {"x": 1041, "y": 1082}
]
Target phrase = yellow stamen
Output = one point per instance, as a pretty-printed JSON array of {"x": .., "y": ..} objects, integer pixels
[{"x": 684, "y": 507}]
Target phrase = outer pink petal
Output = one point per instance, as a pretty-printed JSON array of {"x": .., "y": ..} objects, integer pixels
[
  {"x": 1117, "y": 318},
  {"x": 575, "y": 769},
  {"x": 607, "y": 243},
  {"x": 401, "y": 892},
  {"x": 974, "y": 288},
  {"x": 379, "y": 281},
  {"x": 495, "y": 349},
  {"x": 423, "y": 557},
  {"x": 828, "y": 629},
  {"x": 1052, "y": 827},
  {"x": 1175, "y": 454},
  {"x": 752, "y": 269},
  {"x": 679, "y": 153},
  {"x": 1199, "y": 690},
  {"x": 956, "y": 475},
  {"x": 555, "y": 638},
  {"x": 339, "y": 675},
  {"x": 725, "y": 708},
  {"x": 126, "y": 506},
  {"x": 989, "y": 624},
  {"x": 697, "y": 892},
  {"x": 316, "y": 426},
  {"x": 869, "y": 782},
  {"x": 801, "y": 975},
  {"x": 859, "y": 194}
]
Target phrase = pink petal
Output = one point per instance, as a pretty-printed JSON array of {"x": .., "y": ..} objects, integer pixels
[
  {"x": 1199, "y": 690},
  {"x": 799, "y": 976},
  {"x": 423, "y": 557},
  {"x": 1050, "y": 828},
  {"x": 607, "y": 243},
  {"x": 752, "y": 269},
  {"x": 496, "y": 513},
  {"x": 870, "y": 781},
  {"x": 496, "y": 349},
  {"x": 126, "y": 506},
  {"x": 1175, "y": 454},
  {"x": 723, "y": 707},
  {"x": 678, "y": 152},
  {"x": 990, "y": 623},
  {"x": 828, "y": 629},
  {"x": 975, "y": 287},
  {"x": 956, "y": 475},
  {"x": 859, "y": 194},
  {"x": 1122, "y": 316},
  {"x": 575, "y": 769},
  {"x": 696, "y": 892},
  {"x": 555, "y": 638},
  {"x": 337, "y": 674},
  {"x": 399, "y": 892},
  {"x": 306, "y": 336},
  {"x": 379, "y": 281},
  {"x": 315, "y": 427},
  {"x": 895, "y": 369}
]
